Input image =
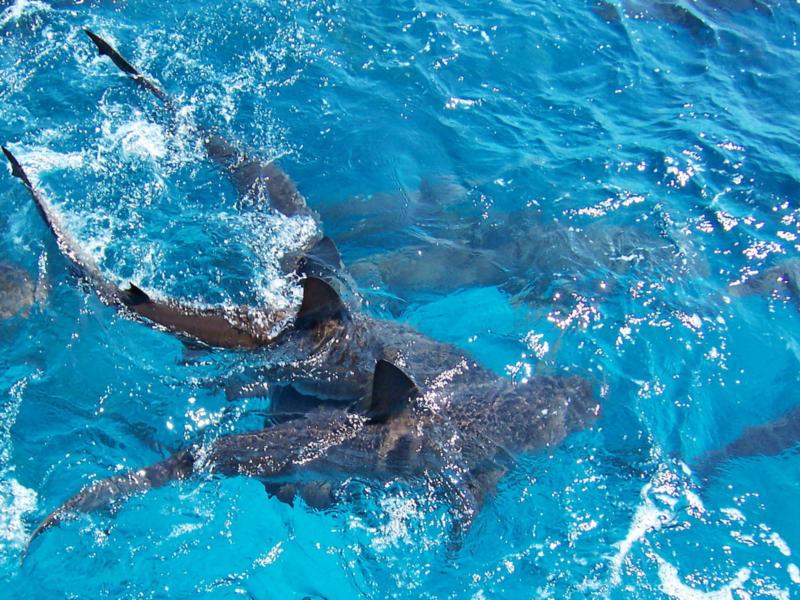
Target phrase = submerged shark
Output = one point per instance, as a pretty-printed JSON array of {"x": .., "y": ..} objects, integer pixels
[
  {"x": 781, "y": 280},
  {"x": 17, "y": 291},
  {"x": 359, "y": 396},
  {"x": 687, "y": 15}
]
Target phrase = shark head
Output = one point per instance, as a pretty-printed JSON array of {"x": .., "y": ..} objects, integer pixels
[{"x": 527, "y": 416}]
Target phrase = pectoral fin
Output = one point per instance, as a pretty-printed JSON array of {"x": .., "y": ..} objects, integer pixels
[{"x": 467, "y": 498}]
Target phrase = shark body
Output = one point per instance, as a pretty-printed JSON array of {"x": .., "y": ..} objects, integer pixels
[{"x": 360, "y": 396}]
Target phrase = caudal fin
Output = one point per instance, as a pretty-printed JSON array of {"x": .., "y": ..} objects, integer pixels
[
  {"x": 16, "y": 168},
  {"x": 107, "y": 493},
  {"x": 68, "y": 246},
  {"x": 106, "y": 49}
]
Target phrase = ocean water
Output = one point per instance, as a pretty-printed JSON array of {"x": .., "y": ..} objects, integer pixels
[{"x": 544, "y": 185}]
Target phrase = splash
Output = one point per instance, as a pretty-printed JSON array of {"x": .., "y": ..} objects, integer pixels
[{"x": 20, "y": 9}]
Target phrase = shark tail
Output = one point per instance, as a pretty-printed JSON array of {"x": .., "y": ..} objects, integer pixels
[
  {"x": 106, "y": 49},
  {"x": 16, "y": 168},
  {"x": 84, "y": 263},
  {"x": 219, "y": 327},
  {"x": 108, "y": 493},
  {"x": 250, "y": 176}
]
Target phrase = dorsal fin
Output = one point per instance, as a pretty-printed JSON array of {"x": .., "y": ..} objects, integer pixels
[
  {"x": 325, "y": 250},
  {"x": 392, "y": 392},
  {"x": 135, "y": 296},
  {"x": 320, "y": 303}
]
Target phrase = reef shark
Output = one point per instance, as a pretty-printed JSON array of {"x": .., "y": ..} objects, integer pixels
[{"x": 366, "y": 397}]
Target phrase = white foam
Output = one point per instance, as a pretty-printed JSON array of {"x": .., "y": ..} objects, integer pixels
[
  {"x": 270, "y": 557},
  {"x": 39, "y": 159},
  {"x": 395, "y": 531},
  {"x": 139, "y": 139},
  {"x": 672, "y": 585},
  {"x": 21, "y": 8},
  {"x": 647, "y": 518},
  {"x": 776, "y": 540},
  {"x": 734, "y": 514},
  {"x": 16, "y": 501},
  {"x": 270, "y": 237},
  {"x": 183, "y": 529},
  {"x": 794, "y": 573},
  {"x": 661, "y": 497}
]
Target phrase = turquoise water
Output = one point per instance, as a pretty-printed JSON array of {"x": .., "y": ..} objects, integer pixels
[{"x": 622, "y": 174}]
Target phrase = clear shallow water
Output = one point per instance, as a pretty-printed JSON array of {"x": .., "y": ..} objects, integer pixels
[{"x": 622, "y": 174}]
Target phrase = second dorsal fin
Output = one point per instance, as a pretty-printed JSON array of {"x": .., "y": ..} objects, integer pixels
[
  {"x": 134, "y": 296},
  {"x": 320, "y": 303},
  {"x": 392, "y": 392}
]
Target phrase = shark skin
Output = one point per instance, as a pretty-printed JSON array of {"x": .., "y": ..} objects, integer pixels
[{"x": 459, "y": 439}]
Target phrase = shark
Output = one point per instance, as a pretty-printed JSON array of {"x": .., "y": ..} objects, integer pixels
[
  {"x": 359, "y": 396},
  {"x": 781, "y": 280},
  {"x": 772, "y": 438},
  {"x": 689, "y": 16},
  {"x": 17, "y": 291}
]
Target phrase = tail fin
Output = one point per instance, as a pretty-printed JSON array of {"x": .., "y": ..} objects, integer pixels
[
  {"x": 16, "y": 168},
  {"x": 106, "y": 49},
  {"x": 216, "y": 327},
  {"x": 109, "y": 492},
  {"x": 18, "y": 172},
  {"x": 68, "y": 246}
]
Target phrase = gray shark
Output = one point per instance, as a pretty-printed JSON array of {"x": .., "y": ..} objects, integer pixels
[
  {"x": 781, "y": 279},
  {"x": 687, "y": 15},
  {"x": 17, "y": 291},
  {"x": 359, "y": 396},
  {"x": 768, "y": 439},
  {"x": 461, "y": 439}
]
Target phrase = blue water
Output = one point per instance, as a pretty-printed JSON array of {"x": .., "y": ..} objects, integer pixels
[{"x": 412, "y": 125}]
